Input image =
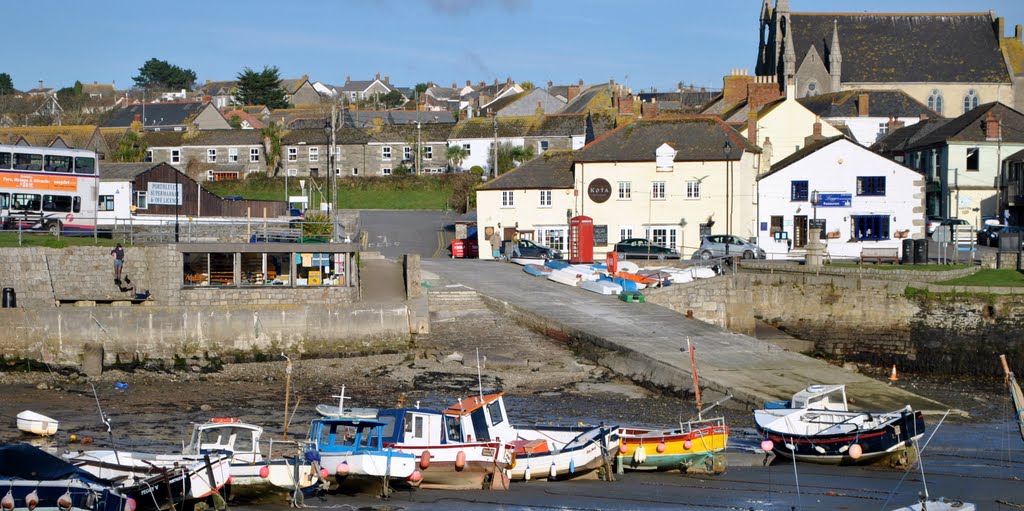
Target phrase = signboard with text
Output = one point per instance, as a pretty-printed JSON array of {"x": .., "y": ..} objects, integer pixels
[
  {"x": 31, "y": 182},
  {"x": 164, "y": 194},
  {"x": 835, "y": 200},
  {"x": 599, "y": 190},
  {"x": 600, "y": 235}
]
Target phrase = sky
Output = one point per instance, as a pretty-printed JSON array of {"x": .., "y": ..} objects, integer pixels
[{"x": 644, "y": 45}]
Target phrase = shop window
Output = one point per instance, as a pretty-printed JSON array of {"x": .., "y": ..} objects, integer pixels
[
  {"x": 870, "y": 185},
  {"x": 870, "y": 227},
  {"x": 776, "y": 225},
  {"x": 196, "y": 269},
  {"x": 320, "y": 269},
  {"x": 265, "y": 269}
]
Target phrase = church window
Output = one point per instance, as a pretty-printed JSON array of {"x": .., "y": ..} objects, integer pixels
[
  {"x": 812, "y": 88},
  {"x": 970, "y": 101},
  {"x": 935, "y": 101}
]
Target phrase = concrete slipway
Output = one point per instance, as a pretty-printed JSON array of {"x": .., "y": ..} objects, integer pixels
[{"x": 646, "y": 342}]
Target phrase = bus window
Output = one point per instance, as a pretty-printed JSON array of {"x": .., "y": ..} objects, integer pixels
[
  {"x": 23, "y": 161},
  {"x": 57, "y": 203},
  {"x": 5, "y": 201},
  {"x": 25, "y": 202},
  {"x": 5, "y": 160},
  {"x": 77, "y": 208},
  {"x": 85, "y": 165},
  {"x": 58, "y": 163}
]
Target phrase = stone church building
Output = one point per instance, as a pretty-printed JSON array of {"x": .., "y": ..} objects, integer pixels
[{"x": 950, "y": 62}]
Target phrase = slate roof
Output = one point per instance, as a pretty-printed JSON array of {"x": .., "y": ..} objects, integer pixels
[
  {"x": 127, "y": 171},
  {"x": 75, "y": 137},
  {"x": 157, "y": 114},
  {"x": 223, "y": 138},
  {"x": 365, "y": 118},
  {"x": 695, "y": 138},
  {"x": 553, "y": 169},
  {"x": 163, "y": 138},
  {"x": 596, "y": 97},
  {"x": 900, "y": 139},
  {"x": 909, "y": 48},
  {"x": 970, "y": 127},
  {"x": 560, "y": 125},
  {"x": 404, "y": 133},
  {"x": 881, "y": 103},
  {"x": 681, "y": 99},
  {"x": 344, "y": 136},
  {"x": 290, "y": 85},
  {"x": 504, "y": 101},
  {"x": 218, "y": 88},
  {"x": 113, "y": 136},
  {"x": 103, "y": 89},
  {"x": 1017, "y": 156},
  {"x": 483, "y": 127},
  {"x": 804, "y": 152}
]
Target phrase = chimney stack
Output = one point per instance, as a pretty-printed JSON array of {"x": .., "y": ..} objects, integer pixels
[
  {"x": 626, "y": 105},
  {"x": 1017, "y": 29},
  {"x": 893, "y": 124},
  {"x": 734, "y": 86},
  {"x": 752, "y": 125},
  {"x": 453, "y": 85},
  {"x": 40, "y": 84},
  {"x": 649, "y": 110},
  {"x": 815, "y": 134},
  {"x": 862, "y": 105},
  {"x": 462, "y": 114},
  {"x": 574, "y": 90},
  {"x": 377, "y": 77},
  {"x": 468, "y": 83},
  {"x": 992, "y": 127},
  {"x": 387, "y": 78},
  {"x": 552, "y": 84}
]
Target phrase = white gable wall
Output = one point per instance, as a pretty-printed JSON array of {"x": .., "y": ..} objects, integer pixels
[{"x": 834, "y": 169}]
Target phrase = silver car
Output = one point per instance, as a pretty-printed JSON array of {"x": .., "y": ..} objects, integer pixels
[{"x": 722, "y": 245}]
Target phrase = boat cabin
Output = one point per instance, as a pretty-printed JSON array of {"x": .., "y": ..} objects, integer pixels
[
  {"x": 482, "y": 419},
  {"x": 346, "y": 435},
  {"x": 415, "y": 426},
  {"x": 227, "y": 436},
  {"x": 821, "y": 397}
]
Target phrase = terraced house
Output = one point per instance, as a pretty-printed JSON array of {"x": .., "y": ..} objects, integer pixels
[
  {"x": 393, "y": 146},
  {"x": 209, "y": 155},
  {"x": 306, "y": 152}
]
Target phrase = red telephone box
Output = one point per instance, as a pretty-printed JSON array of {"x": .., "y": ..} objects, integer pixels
[{"x": 581, "y": 239}]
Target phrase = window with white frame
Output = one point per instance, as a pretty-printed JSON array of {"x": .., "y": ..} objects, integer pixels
[
  {"x": 970, "y": 101},
  {"x": 175, "y": 155},
  {"x": 386, "y": 171},
  {"x": 625, "y": 232},
  {"x": 314, "y": 154},
  {"x": 663, "y": 236},
  {"x": 141, "y": 201},
  {"x": 211, "y": 156},
  {"x": 625, "y": 190},
  {"x": 254, "y": 154},
  {"x": 293, "y": 154},
  {"x": 658, "y": 190},
  {"x": 406, "y": 153},
  {"x": 693, "y": 189},
  {"x": 293, "y": 172},
  {"x": 149, "y": 155},
  {"x": 355, "y": 171},
  {"x": 553, "y": 237},
  {"x": 545, "y": 198},
  {"x": 543, "y": 146},
  {"x": 935, "y": 101},
  {"x": 467, "y": 147},
  {"x": 232, "y": 154},
  {"x": 385, "y": 152},
  {"x": 428, "y": 153},
  {"x": 508, "y": 199}
]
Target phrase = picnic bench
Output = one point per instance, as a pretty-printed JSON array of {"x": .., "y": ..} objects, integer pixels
[{"x": 880, "y": 255}]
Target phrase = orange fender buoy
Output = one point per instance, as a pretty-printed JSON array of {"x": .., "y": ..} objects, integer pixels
[
  {"x": 856, "y": 451},
  {"x": 65, "y": 502},
  {"x": 32, "y": 499},
  {"x": 8, "y": 501},
  {"x": 425, "y": 459},
  {"x": 130, "y": 505},
  {"x": 415, "y": 477},
  {"x": 264, "y": 471},
  {"x": 342, "y": 469},
  {"x": 661, "y": 447},
  {"x": 460, "y": 460}
]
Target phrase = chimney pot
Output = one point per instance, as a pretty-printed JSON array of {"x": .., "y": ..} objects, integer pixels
[
  {"x": 581, "y": 83},
  {"x": 387, "y": 78},
  {"x": 467, "y": 83},
  {"x": 1017, "y": 32},
  {"x": 453, "y": 85},
  {"x": 378, "y": 76}
]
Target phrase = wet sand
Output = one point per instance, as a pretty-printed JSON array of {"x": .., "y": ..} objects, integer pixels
[{"x": 976, "y": 458}]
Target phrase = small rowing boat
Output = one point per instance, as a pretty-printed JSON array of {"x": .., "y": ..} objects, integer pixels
[{"x": 37, "y": 423}]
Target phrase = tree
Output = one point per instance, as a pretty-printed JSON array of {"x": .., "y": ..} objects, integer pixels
[
  {"x": 420, "y": 88},
  {"x": 526, "y": 85},
  {"x": 235, "y": 122},
  {"x": 272, "y": 135},
  {"x": 509, "y": 156},
  {"x": 457, "y": 154},
  {"x": 392, "y": 99},
  {"x": 131, "y": 148},
  {"x": 160, "y": 74},
  {"x": 6, "y": 84},
  {"x": 261, "y": 88}
]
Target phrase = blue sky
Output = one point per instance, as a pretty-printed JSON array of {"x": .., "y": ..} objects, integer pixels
[{"x": 642, "y": 44}]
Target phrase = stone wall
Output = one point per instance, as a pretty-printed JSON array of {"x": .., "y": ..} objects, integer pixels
[{"x": 721, "y": 301}]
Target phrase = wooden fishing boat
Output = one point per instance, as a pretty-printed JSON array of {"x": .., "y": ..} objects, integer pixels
[
  {"x": 1015, "y": 395},
  {"x": 443, "y": 458},
  {"x": 37, "y": 480},
  {"x": 250, "y": 468},
  {"x": 817, "y": 426},
  {"x": 353, "y": 450},
  {"x": 37, "y": 423},
  {"x": 540, "y": 452},
  {"x": 157, "y": 481}
]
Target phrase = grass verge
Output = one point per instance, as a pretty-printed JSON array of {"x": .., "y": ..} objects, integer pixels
[{"x": 39, "y": 239}]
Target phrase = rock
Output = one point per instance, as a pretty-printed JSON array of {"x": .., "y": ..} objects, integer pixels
[
  {"x": 455, "y": 356},
  {"x": 42, "y": 386},
  {"x": 92, "y": 359},
  {"x": 850, "y": 366},
  {"x": 206, "y": 408}
]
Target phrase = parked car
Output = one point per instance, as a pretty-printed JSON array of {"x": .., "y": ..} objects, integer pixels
[
  {"x": 531, "y": 250},
  {"x": 988, "y": 235},
  {"x": 1007, "y": 229},
  {"x": 933, "y": 223},
  {"x": 951, "y": 223},
  {"x": 640, "y": 248},
  {"x": 722, "y": 245}
]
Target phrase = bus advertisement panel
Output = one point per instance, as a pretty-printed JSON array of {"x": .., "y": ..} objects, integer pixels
[{"x": 45, "y": 188}]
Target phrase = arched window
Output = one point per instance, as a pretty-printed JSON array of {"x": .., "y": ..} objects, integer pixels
[
  {"x": 812, "y": 88},
  {"x": 970, "y": 101},
  {"x": 935, "y": 101}
]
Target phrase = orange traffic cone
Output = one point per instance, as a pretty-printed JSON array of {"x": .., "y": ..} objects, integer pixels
[{"x": 893, "y": 377}]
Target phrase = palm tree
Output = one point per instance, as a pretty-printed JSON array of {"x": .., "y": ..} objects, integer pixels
[
  {"x": 522, "y": 154},
  {"x": 272, "y": 135},
  {"x": 456, "y": 155}
]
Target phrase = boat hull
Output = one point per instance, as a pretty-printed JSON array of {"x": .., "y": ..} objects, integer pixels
[
  {"x": 83, "y": 495},
  {"x": 586, "y": 453},
  {"x": 694, "y": 448},
  {"x": 280, "y": 473},
  {"x": 364, "y": 470},
  {"x": 886, "y": 441},
  {"x": 481, "y": 462},
  {"x": 37, "y": 424}
]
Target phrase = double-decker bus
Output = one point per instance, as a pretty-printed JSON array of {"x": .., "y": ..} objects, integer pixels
[{"x": 48, "y": 188}]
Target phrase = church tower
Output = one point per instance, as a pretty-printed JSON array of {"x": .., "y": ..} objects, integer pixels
[
  {"x": 835, "y": 59},
  {"x": 765, "y": 56}
]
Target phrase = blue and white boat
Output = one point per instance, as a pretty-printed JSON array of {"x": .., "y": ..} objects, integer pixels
[
  {"x": 33, "y": 479},
  {"x": 353, "y": 450}
]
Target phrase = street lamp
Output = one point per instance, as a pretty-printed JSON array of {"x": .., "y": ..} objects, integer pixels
[
  {"x": 727, "y": 150},
  {"x": 419, "y": 149},
  {"x": 494, "y": 168}
]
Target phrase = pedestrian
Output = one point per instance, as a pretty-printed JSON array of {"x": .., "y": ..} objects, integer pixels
[
  {"x": 495, "y": 244},
  {"x": 118, "y": 255}
]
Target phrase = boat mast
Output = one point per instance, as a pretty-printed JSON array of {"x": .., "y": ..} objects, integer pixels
[
  {"x": 287, "y": 392},
  {"x": 696, "y": 379},
  {"x": 479, "y": 377},
  {"x": 341, "y": 401}
]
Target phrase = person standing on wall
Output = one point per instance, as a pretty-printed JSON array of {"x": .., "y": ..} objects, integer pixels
[{"x": 118, "y": 255}]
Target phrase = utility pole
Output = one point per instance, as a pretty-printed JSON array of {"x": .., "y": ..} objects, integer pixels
[
  {"x": 332, "y": 158},
  {"x": 494, "y": 168}
]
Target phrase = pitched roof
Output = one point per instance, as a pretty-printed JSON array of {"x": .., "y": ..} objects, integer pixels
[
  {"x": 881, "y": 103},
  {"x": 900, "y": 139},
  {"x": 223, "y": 138},
  {"x": 75, "y": 137},
  {"x": 970, "y": 127},
  {"x": 908, "y": 48},
  {"x": 804, "y": 152},
  {"x": 291, "y": 85},
  {"x": 344, "y": 136},
  {"x": 483, "y": 127},
  {"x": 243, "y": 116},
  {"x": 122, "y": 171},
  {"x": 367, "y": 118},
  {"x": 157, "y": 114},
  {"x": 597, "y": 97},
  {"x": 217, "y": 88},
  {"x": 695, "y": 138},
  {"x": 163, "y": 138},
  {"x": 552, "y": 169},
  {"x": 102, "y": 89},
  {"x": 560, "y": 125},
  {"x": 113, "y": 136},
  {"x": 409, "y": 132}
]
